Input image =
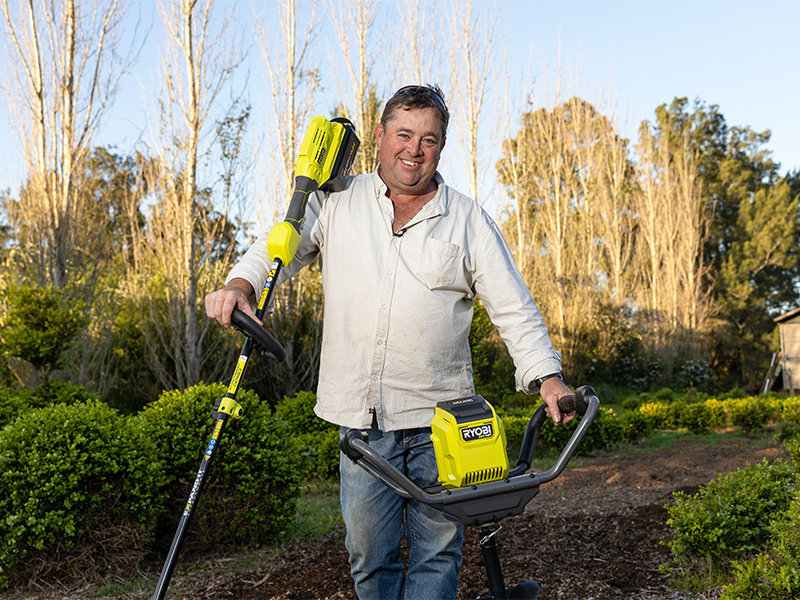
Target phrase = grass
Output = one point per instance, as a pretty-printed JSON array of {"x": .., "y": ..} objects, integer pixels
[{"x": 318, "y": 511}]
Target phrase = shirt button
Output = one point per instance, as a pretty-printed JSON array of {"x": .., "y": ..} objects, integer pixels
[
  {"x": 383, "y": 307},
  {"x": 380, "y": 342}
]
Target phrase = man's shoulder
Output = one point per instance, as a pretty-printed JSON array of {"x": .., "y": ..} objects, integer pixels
[
  {"x": 356, "y": 184},
  {"x": 464, "y": 205}
]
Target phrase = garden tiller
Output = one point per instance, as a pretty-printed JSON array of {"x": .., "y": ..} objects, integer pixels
[
  {"x": 475, "y": 484},
  {"x": 326, "y": 156}
]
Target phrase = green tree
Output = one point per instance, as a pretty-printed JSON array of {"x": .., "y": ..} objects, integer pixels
[{"x": 39, "y": 327}]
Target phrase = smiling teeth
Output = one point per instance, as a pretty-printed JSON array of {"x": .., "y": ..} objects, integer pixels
[{"x": 409, "y": 163}]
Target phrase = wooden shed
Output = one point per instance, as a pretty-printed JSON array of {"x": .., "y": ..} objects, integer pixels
[{"x": 790, "y": 349}]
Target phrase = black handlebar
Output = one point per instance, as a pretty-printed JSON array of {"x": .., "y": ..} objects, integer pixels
[
  {"x": 265, "y": 344},
  {"x": 485, "y": 502}
]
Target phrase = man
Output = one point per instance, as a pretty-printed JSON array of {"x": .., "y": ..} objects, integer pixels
[{"x": 402, "y": 258}]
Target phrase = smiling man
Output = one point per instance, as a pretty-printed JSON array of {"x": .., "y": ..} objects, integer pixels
[{"x": 403, "y": 257}]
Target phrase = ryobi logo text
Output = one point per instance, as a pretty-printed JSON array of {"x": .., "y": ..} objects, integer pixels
[{"x": 477, "y": 433}]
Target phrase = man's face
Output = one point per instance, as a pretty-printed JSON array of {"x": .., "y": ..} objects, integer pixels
[{"x": 410, "y": 146}]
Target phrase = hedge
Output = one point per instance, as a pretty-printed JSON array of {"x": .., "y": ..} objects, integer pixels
[
  {"x": 84, "y": 489},
  {"x": 75, "y": 481}
]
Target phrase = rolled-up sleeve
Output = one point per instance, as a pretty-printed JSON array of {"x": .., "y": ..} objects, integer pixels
[
  {"x": 255, "y": 265},
  {"x": 511, "y": 308}
]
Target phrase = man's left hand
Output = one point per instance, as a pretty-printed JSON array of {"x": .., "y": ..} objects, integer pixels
[{"x": 552, "y": 391}]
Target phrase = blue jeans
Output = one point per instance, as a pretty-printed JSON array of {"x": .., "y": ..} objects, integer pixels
[{"x": 377, "y": 519}]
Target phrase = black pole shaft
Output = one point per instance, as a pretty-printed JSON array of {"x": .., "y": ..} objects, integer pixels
[
  {"x": 191, "y": 504},
  {"x": 491, "y": 560}
]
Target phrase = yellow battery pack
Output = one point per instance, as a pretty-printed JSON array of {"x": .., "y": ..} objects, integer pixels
[{"x": 470, "y": 442}]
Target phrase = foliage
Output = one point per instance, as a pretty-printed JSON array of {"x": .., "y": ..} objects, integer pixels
[
  {"x": 749, "y": 414},
  {"x": 250, "y": 493},
  {"x": 698, "y": 417},
  {"x": 636, "y": 425},
  {"x": 659, "y": 413},
  {"x": 492, "y": 367},
  {"x": 605, "y": 433},
  {"x": 40, "y": 325},
  {"x": 772, "y": 575},
  {"x": 14, "y": 402},
  {"x": 791, "y": 410},
  {"x": 75, "y": 480},
  {"x": 729, "y": 517},
  {"x": 318, "y": 439}
]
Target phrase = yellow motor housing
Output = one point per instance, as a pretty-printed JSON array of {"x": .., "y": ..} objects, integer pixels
[{"x": 470, "y": 442}]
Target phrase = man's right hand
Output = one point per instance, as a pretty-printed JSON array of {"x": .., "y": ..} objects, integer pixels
[{"x": 220, "y": 304}]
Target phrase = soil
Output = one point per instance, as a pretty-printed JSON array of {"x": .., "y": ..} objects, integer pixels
[{"x": 594, "y": 533}]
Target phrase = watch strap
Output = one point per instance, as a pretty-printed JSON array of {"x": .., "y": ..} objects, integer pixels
[{"x": 540, "y": 380}]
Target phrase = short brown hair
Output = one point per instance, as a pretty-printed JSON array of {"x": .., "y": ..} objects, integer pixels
[{"x": 418, "y": 96}]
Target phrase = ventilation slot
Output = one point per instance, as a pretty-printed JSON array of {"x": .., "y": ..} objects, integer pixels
[{"x": 483, "y": 475}]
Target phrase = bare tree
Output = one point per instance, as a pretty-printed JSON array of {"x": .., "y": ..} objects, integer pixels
[
  {"x": 294, "y": 78},
  {"x": 354, "y": 28},
  {"x": 417, "y": 43},
  {"x": 187, "y": 244},
  {"x": 68, "y": 61},
  {"x": 513, "y": 170},
  {"x": 673, "y": 222},
  {"x": 472, "y": 54}
]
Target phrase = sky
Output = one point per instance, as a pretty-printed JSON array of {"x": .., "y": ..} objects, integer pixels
[{"x": 741, "y": 55}]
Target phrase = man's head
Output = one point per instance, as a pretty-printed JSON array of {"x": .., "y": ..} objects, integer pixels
[
  {"x": 410, "y": 138},
  {"x": 417, "y": 96}
]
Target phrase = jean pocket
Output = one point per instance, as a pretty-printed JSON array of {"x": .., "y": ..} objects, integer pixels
[{"x": 440, "y": 263}]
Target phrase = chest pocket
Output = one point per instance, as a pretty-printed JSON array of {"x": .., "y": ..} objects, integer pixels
[{"x": 440, "y": 263}]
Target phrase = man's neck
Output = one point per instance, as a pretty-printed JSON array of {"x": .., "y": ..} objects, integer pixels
[{"x": 407, "y": 206}]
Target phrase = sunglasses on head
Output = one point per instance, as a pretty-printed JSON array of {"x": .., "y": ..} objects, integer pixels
[{"x": 410, "y": 90}]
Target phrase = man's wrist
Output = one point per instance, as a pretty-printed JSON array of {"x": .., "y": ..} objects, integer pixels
[{"x": 540, "y": 380}]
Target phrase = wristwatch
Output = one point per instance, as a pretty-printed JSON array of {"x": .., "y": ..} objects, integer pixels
[{"x": 540, "y": 380}]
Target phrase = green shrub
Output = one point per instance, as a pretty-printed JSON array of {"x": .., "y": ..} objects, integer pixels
[
  {"x": 16, "y": 401},
  {"x": 772, "y": 575},
  {"x": 318, "y": 439},
  {"x": 636, "y": 425},
  {"x": 791, "y": 410},
  {"x": 41, "y": 325},
  {"x": 750, "y": 414},
  {"x": 659, "y": 413},
  {"x": 632, "y": 403},
  {"x": 718, "y": 414},
  {"x": 605, "y": 432},
  {"x": 514, "y": 426},
  {"x": 728, "y": 518},
  {"x": 251, "y": 490},
  {"x": 79, "y": 489},
  {"x": 786, "y": 431},
  {"x": 697, "y": 418},
  {"x": 665, "y": 395}
]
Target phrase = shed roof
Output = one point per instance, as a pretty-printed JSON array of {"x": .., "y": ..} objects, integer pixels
[{"x": 787, "y": 316}]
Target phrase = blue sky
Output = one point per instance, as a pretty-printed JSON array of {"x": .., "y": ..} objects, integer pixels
[{"x": 741, "y": 55}]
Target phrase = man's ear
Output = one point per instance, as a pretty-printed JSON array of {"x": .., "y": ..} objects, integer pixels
[
  {"x": 378, "y": 134},
  {"x": 444, "y": 140}
]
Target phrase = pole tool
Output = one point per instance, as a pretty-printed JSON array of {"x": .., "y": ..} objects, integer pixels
[{"x": 326, "y": 156}]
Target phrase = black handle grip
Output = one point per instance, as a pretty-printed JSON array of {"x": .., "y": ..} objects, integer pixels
[
  {"x": 264, "y": 342},
  {"x": 577, "y": 402}
]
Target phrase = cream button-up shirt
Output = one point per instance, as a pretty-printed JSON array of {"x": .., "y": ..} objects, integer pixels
[{"x": 398, "y": 307}]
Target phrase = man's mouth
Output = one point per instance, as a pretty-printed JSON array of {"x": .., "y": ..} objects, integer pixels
[{"x": 409, "y": 163}]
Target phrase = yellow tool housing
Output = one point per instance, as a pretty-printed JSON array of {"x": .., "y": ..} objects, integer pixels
[
  {"x": 469, "y": 441},
  {"x": 326, "y": 155}
]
